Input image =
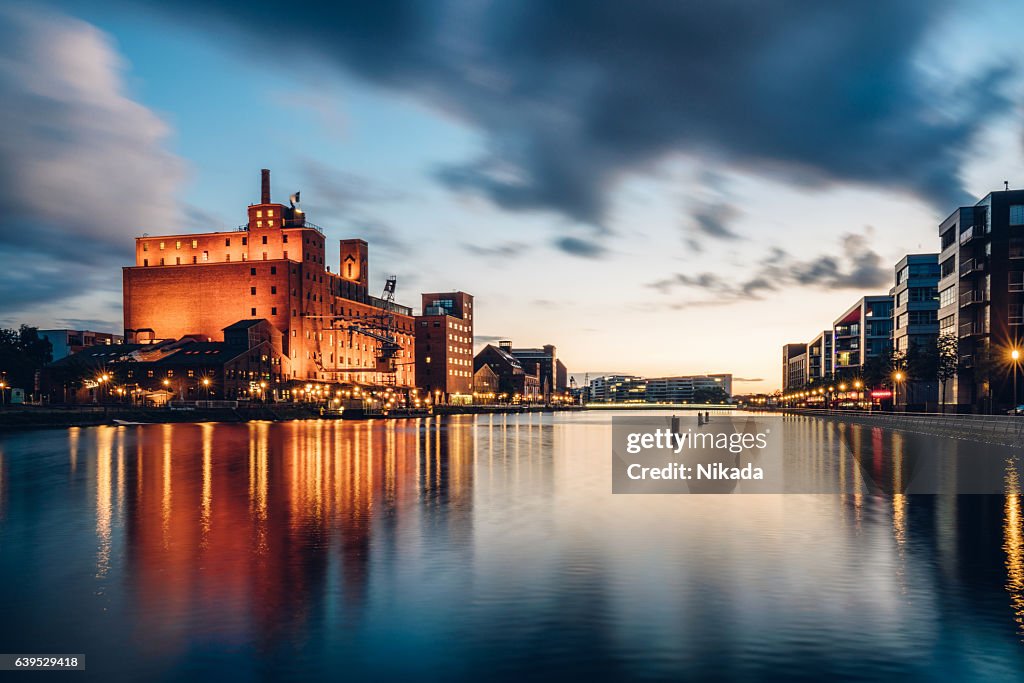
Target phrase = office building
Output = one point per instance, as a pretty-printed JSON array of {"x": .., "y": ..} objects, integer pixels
[
  {"x": 66, "y": 342},
  {"x": 819, "y": 357},
  {"x": 794, "y": 366}
]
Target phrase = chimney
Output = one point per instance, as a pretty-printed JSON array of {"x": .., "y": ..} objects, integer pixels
[{"x": 265, "y": 186}]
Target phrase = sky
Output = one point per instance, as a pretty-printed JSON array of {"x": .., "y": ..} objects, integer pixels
[{"x": 656, "y": 188}]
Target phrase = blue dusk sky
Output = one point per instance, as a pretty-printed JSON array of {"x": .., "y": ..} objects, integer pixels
[{"x": 654, "y": 187}]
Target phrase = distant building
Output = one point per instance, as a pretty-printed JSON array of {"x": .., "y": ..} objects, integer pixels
[
  {"x": 633, "y": 389},
  {"x": 553, "y": 375},
  {"x": 444, "y": 346},
  {"x": 67, "y": 342},
  {"x": 515, "y": 383},
  {"x": 915, "y": 323}
]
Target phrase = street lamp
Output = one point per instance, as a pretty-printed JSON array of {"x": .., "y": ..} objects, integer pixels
[
  {"x": 1015, "y": 356},
  {"x": 898, "y": 377},
  {"x": 206, "y": 385}
]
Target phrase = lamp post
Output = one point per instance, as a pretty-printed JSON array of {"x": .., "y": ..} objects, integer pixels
[
  {"x": 857, "y": 384},
  {"x": 3, "y": 393},
  {"x": 898, "y": 377},
  {"x": 206, "y": 386},
  {"x": 1015, "y": 356}
]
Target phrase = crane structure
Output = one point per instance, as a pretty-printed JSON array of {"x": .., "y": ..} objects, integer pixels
[{"x": 381, "y": 327}]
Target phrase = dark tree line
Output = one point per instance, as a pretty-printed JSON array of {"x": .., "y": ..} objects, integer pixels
[{"x": 22, "y": 353}]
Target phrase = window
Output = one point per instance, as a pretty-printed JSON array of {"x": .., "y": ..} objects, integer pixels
[
  {"x": 264, "y": 256},
  {"x": 1016, "y": 280},
  {"x": 145, "y": 246},
  {"x": 227, "y": 257},
  {"x": 191, "y": 373},
  {"x": 273, "y": 310},
  {"x": 227, "y": 241},
  {"x": 1016, "y": 314},
  {"x": 273, "y": 270},
  {"x": 252, "y": 290},
  {"x": 284, "y": 238},
  {"x": 947, "y": 296},
  {"x": 161, "y": 260},
  {"x": 245, "y": 257},
  {"x": 195, "y": 243},
  {"x": 245, "y": 241},
  {"x": 177, "y": 244},
  {"x": 1017, "y": 247},
  {"x": 253, "y": 310},
  {"x": 161, "y": 246},
  {"x": 206, "y": 256},
  {"x": 273, "y": 289},
  {"x": 1017, "y": 214},
  {"x": 922, "y": 317},
  {"x": 286, "y": 254},
  {"x": 194, "y": 259},
  {"x": 252, "y": 271},
  {"x": 177, "y": 260},
  {"x": 270, "y": 213},
  {"x": 264, "y": 239}
]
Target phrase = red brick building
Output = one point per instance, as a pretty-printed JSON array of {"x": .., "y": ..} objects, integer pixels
[
  {"x": 272, "y": 267},
  {"x": 444, "y": 347}
]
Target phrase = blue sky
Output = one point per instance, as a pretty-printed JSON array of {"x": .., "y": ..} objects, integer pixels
[{"x": 654, "y": 189}]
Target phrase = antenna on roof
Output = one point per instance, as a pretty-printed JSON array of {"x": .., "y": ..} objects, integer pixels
[{"x": 1006, "y": 185}]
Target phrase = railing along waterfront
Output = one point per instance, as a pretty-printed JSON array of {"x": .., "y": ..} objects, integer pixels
[{"x": 1004, "y": 430}]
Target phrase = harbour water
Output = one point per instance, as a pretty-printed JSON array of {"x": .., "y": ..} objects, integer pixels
[{"x": 484, "y": 548}]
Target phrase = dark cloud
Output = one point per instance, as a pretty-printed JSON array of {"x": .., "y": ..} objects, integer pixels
[
  {"x": 857, "y": 266},
  {"x": 577, "y": 246},
  {"x": 505, "y": 250},
  {"x": 82, "y": 167},
  {"x": 573, "y": 95}
]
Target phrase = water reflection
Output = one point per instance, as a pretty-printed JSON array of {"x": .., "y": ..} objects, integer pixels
[{"x": 492, "y": 547}]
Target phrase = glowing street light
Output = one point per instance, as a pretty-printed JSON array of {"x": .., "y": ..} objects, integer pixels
[
  {"x": 897, "y": 377},
  {"x": 1015, "y": 357}
]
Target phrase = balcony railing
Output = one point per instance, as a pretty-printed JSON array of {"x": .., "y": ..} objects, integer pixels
[
  {"x": 971, "y": 329},
  {"x": 972, "y": 232},
  {"x": 973, "y": 265},
  {"x": 973, "y": 297}
]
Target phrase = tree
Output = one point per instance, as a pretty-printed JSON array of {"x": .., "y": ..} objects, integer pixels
[
  {"x": 878, "y": 369},
  {"x": 22, "y": 353},
  {"x": 947, "y": 350},
  {"x": 710, "y": 395}
]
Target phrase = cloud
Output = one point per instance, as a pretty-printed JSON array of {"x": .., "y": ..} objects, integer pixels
[
  {"x": 488, "y": 338},
  {"x": 857, "y": 266},
  {"x": 572, "y": 96},
  {"x": 747, "y": 379},
  {"x": 505, "y": 250},
  {"x": 576, "y": 246},
  {"x": 82, "y": 166}
]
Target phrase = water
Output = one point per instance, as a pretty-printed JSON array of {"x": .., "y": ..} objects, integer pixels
[{"x": 482, "y": 548}]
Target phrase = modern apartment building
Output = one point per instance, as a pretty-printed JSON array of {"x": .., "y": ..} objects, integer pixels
[
  {"x": 863, "y": 332},
  {"x": 444, "y": 346},
  {"x": 794, "y": 366},
  {"x": 915, "y": 321},
  {"x": 819, "y": 356},
  {"x": 607, "y": 389},
  {"x": 981, "y": 298},
  {"x": 683, "y": 389}
]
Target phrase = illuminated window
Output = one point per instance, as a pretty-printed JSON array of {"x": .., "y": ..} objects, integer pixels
[
  {"x": 195, "y": 243},
  {"x": 145, "y": 246},
  {"x": 206, "y": 256},
  {"x": 270, "y": 213},
  {"x": 161, "y": 246},
  {"x": 259, "y": 213},
  {"x": 177, "y": 244},
  {"x": 259, "y": 224},
  {"x": 191, "y": 373}
]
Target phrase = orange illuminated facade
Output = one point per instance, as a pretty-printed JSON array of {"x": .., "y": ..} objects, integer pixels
[{"x": 272, "y": 267}]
